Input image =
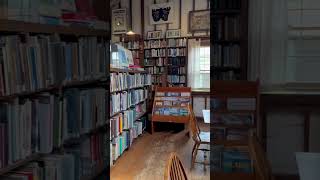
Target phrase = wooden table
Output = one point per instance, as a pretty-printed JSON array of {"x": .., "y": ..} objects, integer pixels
[{"x": 206, "y": 116}]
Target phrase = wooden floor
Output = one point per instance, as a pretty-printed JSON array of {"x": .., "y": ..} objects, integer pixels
[{"x": 147, "y": 157}]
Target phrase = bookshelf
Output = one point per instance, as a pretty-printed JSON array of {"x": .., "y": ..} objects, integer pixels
[
  {"x": 230, "y": 42},
  {"x": 235, "y": 115},
  {"x": 134, "y": 43},
  {"x": 166, "y": 60},
  {"x": 171, "y": 105},
  {"x": 129, "y": 91},
  {"x": 48, "y": 73}
]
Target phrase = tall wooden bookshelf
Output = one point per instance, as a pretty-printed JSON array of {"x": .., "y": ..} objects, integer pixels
[
  {"x": 168, "y": 63},
  {"x": 235, "y": 118},
  {"x": 134, "y": 43},
  {"x": 68, "y": 34},
  {"x": 120, "y": 121},
  {"x": 230, "y": 39}
]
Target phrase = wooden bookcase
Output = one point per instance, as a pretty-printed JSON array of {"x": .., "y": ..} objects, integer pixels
[
  {"x": 166, "y": 97},
  {"x": 134, "y": 43},
  {"x": 235, "y": 110},
  {"x": 145, "y": 100},
  {"x": 230, "y": 39},
  {"x": 66, "y": 34},
  {"x": 167, "y": 69}
]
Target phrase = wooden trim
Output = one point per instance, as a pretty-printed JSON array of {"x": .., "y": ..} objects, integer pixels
[{"x": 21, "y": 27}]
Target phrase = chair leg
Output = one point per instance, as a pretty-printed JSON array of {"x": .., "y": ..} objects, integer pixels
[
  {"x": 193, "y": 149},
  {"x": 194, "y": 154}
]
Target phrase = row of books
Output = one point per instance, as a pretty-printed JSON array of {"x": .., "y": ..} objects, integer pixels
[
  {"x": 177, "y": 70},
  {"x": 43, "y": 61},
  {"x": 235, "y": 104},
  {"x": 83, "y": 111},
  {"x": 177, "y": 42},
  {"x": 26, "y": 128},
  {"x": 125, "y": 120},
  {"x": 177, "y": 61},
  {"x": 122, "y": 142},
  {"x": 172, "y": 95},
  {"x": 131, "y": 45},
  {"x": 155, "y": 44},
  {"x": 124, "y": 81},
  {"x": 83, "y": 160},
  {"x": 226, "y": 4},
  {"x": 226, "y": 56},
  {"x": 176, "y": 79},
  {"x": 234, "y": 119},
  {"x": 155, "y": 70},
  {"x": 156, "y": 79},
  {"x": 169, "y": 111},
  {"x": 64, "y": 12},
  {"x": 231, "y": 159},
  {"x": 155, "y": 62},
  {"x": 228, "y": 28},
  {"x": 173, "y": 52},
  {"x": 172, "y": 103},
  {"x": 124, "y": 100},
  {"x": 155, "y": 53},
  {"x": 135, "y": 55}
]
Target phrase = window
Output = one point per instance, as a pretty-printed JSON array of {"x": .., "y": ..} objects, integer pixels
[
  {"x": 204, "y": 67},
  {"x": 198, "y": 65}
]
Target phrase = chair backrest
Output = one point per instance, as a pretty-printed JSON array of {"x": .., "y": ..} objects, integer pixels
[
  {"x": 194, "y": 128},
  {"x": 261, "y": 163},
  {"x": 174, "y": 169}
]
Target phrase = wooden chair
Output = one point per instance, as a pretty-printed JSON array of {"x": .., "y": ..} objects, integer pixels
[
  {"x": 174, "y": 169},
  {"x": 199, "y": 137}
]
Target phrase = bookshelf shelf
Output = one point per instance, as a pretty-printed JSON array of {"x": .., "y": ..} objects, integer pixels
[
  {"x": 127, "y": 89},
  {"x": 116, "y": 70},
  {"x": 18, "y": 26},
  {"x": 19, "y": 163},
  {"x": 55, "y": 88},
  {"x": 117, "y": 113}
]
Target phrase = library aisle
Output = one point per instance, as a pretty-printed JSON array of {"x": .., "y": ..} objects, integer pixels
[{"x": 155, "y": 150}]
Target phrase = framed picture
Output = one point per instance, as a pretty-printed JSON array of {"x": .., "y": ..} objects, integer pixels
[
  {"x": 199, "y": 20},
  {"x": 154, "y": 35},
  {"x": 173, "y": 33},
  {"x": 119, "y": 21},
  {"x": 161, "y": 13}
]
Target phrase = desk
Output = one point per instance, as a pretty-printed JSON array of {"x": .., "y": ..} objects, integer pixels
[{"x": 206, "y": 116}]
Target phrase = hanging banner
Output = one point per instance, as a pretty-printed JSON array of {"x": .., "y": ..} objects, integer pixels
[{"x": 161, "y": 13}]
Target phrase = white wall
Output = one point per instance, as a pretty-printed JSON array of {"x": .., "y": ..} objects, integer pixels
[{"x": 183, "y": 9}]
